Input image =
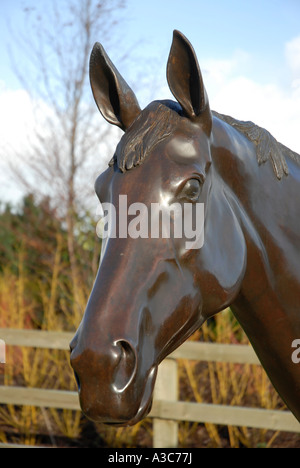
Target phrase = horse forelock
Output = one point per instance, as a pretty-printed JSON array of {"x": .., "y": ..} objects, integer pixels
[{"x": 154, "y": 124}]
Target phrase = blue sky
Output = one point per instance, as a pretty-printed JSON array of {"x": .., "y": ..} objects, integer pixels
[
  {"x": 216, "y": 29},
  {"x": 219, "y": 27},
  {"x": 248, "y": 50}
]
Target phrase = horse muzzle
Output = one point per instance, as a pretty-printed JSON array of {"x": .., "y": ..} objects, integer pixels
[{"x": 113, "y": 388}]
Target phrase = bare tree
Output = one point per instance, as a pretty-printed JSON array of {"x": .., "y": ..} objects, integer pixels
[{"x": 57, "y": 46}]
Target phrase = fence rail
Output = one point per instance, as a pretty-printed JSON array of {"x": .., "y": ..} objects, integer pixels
[
  {"x": 192, "y": 350},
  {"x": 166, "y": 410}
]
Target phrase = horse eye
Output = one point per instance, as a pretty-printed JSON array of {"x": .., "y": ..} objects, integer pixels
[{"x": 191, "y": 189}]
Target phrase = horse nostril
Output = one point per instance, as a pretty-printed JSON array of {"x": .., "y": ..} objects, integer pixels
[
  {"x": 119, "y": 359},
  {"x": 126, "y": 348},
  {"x": 126, "y": 367}
]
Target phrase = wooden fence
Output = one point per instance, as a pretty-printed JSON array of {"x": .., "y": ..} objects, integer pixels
[{"x": 167, "y": 411}]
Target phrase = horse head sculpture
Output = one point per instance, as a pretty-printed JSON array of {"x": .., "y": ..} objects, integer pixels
[{"x": 152, "y": 292}]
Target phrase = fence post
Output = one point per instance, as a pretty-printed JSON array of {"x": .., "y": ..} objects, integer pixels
[{"x": 165, "y": 432}]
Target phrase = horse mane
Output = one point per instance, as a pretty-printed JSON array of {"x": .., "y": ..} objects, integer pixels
[
  {"x": 156, "y": 123},
  {"x": 267, "y": 147}
]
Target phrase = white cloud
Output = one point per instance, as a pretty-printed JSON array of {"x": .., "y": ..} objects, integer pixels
[
  {"x": 29, "y": 126},
  {"x": 218, "y": 71},
  {"x": 16, "y": 122},
  {"x": 292, "y": 52},
  {"x": 271, "y": 106},
  {"x": 20, "y": 119},
  {"x": 16, "y": 119}
]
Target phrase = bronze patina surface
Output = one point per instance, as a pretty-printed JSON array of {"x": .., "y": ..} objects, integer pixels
[{"x": 151, "y": 294}]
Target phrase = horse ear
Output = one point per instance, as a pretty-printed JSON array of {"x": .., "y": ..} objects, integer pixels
[
  {"x": 114, "y": 98},
  {"x": 184, "y": 77}
]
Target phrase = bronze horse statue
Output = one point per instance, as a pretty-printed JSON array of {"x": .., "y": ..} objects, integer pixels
[{"x": 151, "y": 294}]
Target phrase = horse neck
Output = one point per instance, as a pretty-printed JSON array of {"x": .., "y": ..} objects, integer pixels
[
  {"x": 267, "y": 306},
  {"x": 266, "y": 207}
]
